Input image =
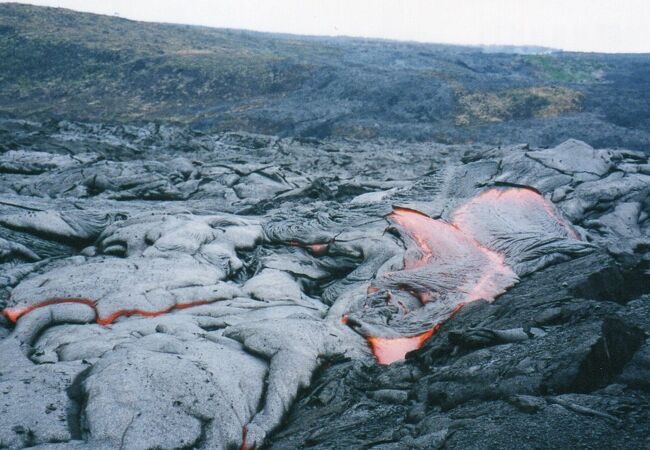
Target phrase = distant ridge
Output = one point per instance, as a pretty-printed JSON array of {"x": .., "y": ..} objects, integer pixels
[{"x": 60, "y": 64}]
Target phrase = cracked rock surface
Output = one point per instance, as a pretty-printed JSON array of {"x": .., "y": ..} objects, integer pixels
[{"x": 165, "y": 288}]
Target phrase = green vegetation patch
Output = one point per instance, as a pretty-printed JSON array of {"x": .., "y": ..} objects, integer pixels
[
  {"x": 566, "y": 69},
  {"x": 514, "y": 104}
]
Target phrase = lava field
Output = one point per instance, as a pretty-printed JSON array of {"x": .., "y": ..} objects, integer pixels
[{"x": 169, "y": 288}]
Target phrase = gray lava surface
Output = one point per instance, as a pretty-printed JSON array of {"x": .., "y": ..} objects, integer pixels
[{"x": 168, "y": 288}]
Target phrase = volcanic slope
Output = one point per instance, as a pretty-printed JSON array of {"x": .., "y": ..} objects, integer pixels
[{"x": 61, "y": 64}]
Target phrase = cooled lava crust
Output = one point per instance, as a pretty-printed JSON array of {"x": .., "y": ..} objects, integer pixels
[{"x": 163, "y": 288}]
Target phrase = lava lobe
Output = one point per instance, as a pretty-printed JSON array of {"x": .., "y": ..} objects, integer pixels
[
  {"x": 447, "y": 265},
  {"x": 390, "y": 350}
]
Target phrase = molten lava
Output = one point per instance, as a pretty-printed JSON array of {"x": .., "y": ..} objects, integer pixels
[
  {"x": 437, "y": 243},
  {"x": 13, "y": 314},
  {"x": 443, "y": 269},
  {"x": 443, "y": 263},
  {"x": 522, "y": 208},
  {"x": 449, "y": 265},
  {"x": 314, "y": 249},
  {"x": 446, "y": 265},
  {"x": 243, "y": 439},
  {"x": 390, "y": 350}
]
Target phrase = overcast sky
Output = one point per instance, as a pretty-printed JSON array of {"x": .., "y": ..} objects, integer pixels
[{"x": 583, "y": 25}]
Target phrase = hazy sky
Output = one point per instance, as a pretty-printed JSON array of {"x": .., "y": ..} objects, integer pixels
[{"x": 585, "y": 25}]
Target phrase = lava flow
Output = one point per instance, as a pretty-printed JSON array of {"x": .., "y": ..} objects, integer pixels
[
  {"x": 390, "y": 350},
  {"x": 459, "y": 262},
  {"x": 244, "y": 446},
  {"x": 522, "y": 208},
  {"x": 446, "y": 265},
  {"x": 13, "y": 314},
  {"x": 449, "y": 265}
]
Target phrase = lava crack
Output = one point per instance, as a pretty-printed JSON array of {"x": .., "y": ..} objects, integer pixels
[{"x": 13, "y": 314}]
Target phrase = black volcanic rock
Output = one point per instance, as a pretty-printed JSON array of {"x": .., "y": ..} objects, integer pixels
[
  {"x": 562, "y": 385},
  {"x": 169, "y": 288}
]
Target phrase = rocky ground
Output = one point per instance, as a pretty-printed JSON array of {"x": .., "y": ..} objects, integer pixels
[{"x": 165, "y": 288}]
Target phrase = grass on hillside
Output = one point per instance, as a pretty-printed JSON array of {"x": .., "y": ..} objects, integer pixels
[{"x": 514, "y": 104}]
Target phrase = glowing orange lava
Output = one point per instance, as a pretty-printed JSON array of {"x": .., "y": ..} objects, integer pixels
[
  {"x": 418, "y": 225},
  {"x": 319, "y": 249},
  {"x": 243, "y": 439},
  {"x": 495, "y": 201},
  {"x": 13, "y": 314},
  {"x": 438, "y": 242},
  {"x": 481, "y": 273},
  {"x": 390, "y": 350},
  {"x": 446, "y": 265},
  {"x": 314, "y": 249}
]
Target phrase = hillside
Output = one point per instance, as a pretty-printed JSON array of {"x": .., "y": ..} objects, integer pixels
[{"x": 56, "y": 63}]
